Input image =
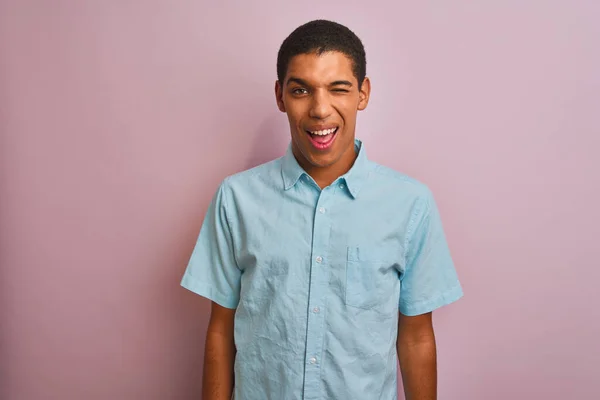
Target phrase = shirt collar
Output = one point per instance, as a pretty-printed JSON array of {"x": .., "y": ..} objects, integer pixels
[{"x": 291, "y": 171}]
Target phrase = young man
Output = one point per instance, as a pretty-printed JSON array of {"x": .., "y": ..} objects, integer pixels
[{"x": 323, "y": 267}]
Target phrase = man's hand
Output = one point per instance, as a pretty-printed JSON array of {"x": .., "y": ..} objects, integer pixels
[
  {"x": 417, "y": 354},
  {"x": 219, "y": 355}
]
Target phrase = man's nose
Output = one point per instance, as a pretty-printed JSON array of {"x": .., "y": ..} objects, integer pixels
[{"x": 321, "y": 106}]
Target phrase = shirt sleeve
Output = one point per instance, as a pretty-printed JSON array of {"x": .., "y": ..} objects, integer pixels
[
  {"x": 212, "y": 271},
  {"x": 429, "y": 279}
]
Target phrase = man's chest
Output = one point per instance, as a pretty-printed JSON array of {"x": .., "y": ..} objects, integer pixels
[{"x": 349, "y": 250}]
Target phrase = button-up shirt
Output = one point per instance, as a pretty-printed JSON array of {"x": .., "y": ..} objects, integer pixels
[{"x": 318, "y": 276}]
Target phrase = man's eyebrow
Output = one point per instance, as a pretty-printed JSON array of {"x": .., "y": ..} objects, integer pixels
[
  {"x": 302, "y": 82},
  {"x": 296, "y": 80},
  {"x": 337, "y": 83}
]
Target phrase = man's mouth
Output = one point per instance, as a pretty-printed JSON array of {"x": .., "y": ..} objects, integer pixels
[{"x": 322, "y": 139}]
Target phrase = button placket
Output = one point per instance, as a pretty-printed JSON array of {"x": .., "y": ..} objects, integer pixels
[{"x": 319, "y": 281}]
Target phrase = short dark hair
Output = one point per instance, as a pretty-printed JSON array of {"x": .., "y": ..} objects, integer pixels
[{"x": 321, "y": 36}]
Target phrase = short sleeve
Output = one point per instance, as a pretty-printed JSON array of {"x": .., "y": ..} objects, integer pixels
[
  {"x": 429, "y": 279},
  {"x": 212, "y": 271}
]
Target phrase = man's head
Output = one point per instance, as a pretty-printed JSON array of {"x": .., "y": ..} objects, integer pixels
[
  {"x": 318, "y": 37},
  {"x": 321, "y": 85}
]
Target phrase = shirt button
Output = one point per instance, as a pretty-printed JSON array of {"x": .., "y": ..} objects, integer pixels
[
  {"x": 341, "y": 186},
  {"x": 319, "y": 259},
  {"x": 313, "y": 360},
  {"x": 316, "y": 310},
  {"x": 322, "y": 210}
]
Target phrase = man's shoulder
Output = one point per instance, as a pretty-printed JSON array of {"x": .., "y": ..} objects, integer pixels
[
  {"x": 265, "y": 173},
  {"x": 398, "y": 181}
]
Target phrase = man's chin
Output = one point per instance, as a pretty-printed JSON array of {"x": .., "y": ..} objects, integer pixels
[{"x": 321, "y": 161}]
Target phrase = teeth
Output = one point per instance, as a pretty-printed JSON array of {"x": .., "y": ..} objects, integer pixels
[{"x": 324, "y": 132}]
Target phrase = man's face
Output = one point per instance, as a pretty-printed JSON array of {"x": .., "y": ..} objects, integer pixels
[{"x": 321, "y": 97}]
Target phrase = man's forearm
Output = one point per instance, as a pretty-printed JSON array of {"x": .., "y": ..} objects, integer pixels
[
  {"x": 418, "y": 365},
  {"x": 219, "y": 355}
]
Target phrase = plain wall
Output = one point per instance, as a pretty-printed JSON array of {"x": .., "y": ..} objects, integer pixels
[{"x": 118, "y": 119}]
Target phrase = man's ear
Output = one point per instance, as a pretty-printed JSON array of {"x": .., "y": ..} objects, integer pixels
[
  {"x": 364, "y": 94},
  {"x": 279, "y": 96}
]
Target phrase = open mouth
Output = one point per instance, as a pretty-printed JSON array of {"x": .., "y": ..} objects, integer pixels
[{"x": 322, "y": 139}]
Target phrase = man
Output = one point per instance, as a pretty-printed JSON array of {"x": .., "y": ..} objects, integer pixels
[{"x": 323, "y": 267}]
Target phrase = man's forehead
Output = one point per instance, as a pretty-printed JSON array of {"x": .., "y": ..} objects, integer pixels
[{"x": 323, "y": 68}]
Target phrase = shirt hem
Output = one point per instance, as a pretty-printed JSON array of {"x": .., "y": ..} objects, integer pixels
[
  {"x": 208, "y": 291},
  {"x": 426, "y": 306}
]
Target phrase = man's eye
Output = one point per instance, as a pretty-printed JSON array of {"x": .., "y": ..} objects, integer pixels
[
  {"x": 299, "y": 91},
  {"x": 341, "y": 90}
]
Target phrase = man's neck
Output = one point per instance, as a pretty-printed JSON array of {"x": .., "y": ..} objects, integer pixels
[{"x": 325, "y": 176}]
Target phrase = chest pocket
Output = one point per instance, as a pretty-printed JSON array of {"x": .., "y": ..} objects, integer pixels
[{"x": 371, "y": 278}]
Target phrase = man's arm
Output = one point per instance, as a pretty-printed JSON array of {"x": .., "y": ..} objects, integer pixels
[
  {"x": 417, "y": 355},
  {"x": 219, "y": 355}
]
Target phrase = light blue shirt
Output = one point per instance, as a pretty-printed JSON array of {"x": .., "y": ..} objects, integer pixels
[{"x": 318, "y": 276}]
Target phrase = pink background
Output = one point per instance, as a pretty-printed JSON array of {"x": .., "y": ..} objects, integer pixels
[{"x": 119, "y": 118}]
